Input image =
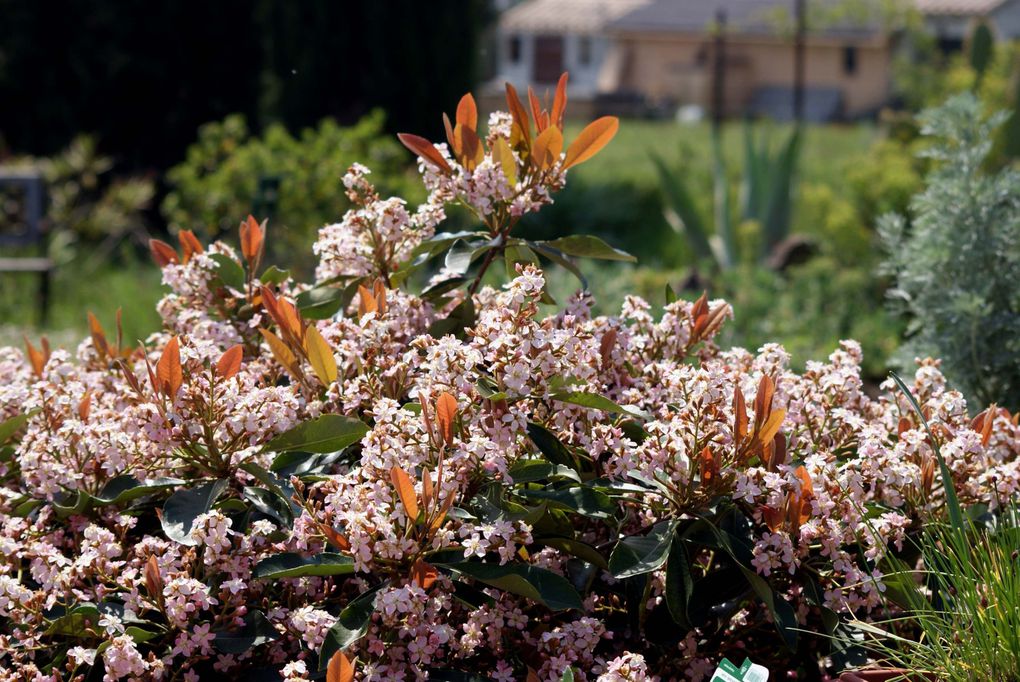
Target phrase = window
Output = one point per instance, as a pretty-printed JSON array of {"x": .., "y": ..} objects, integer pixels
[
  {"x": 514, "y": 49},
  {"x": 850, "y": 60},
  {"x": 584, "y": 51}
]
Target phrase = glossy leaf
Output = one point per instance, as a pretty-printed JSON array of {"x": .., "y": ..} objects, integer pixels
[
  {"x": 168, "y": 369},
  {"x": 532, "y": 582},
  {"x": 229, "y": 271},
  {"x": 184, "y": 506},
  {"x": 588, "y": 246},
  {"x": 294, "y": 565},
  {"x": 591, "y": 140},
  {"x": 446, "y": 413},
  {"x": 405, "y": 491},
  {"x": 320, "y": 356},
  {"x": 351, "y": 625},
  {"x": 640, "y": 554},
  {"x": 327, "y": 433},
  {"x": 424, "y": 149},
  {"x": 230, "y": 362},
  {"x": 339, "y": 669}
]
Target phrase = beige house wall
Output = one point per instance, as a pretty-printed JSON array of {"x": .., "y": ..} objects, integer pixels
[{"x": 679, "y": 68}]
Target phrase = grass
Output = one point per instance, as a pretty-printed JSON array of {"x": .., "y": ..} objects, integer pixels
[
  {"x": 825, "y": 152},
  {"x": 134, "y": 287}
]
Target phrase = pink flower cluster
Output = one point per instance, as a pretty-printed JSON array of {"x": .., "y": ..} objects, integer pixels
[{"x": 634, "y": 421}]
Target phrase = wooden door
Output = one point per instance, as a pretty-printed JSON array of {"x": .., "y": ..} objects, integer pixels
[{"x": 548, "y": 62}]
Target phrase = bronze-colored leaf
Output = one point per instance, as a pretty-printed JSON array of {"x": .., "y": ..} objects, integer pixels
[
  {"x": 425, "y": 149},
  {"x": 405, "y": 491},
  {"x": 446, "y": 413},
  {"x": 547, "y": 148},
  {"x": 467, "y": 112},
  {"x": 423, "y": 574},
  {"x": 519, "y": 114},
  {"x": 189, "y": 245},
  {"x": 162, "y": 253},
  {"x": 592, "y": 139},
  {"x": 559, "y": 101},
  {"x": 230, "y": 362},
  {"x": 168, "y": 369},
  {"x": 339, "y": 669},
  {"x": 252, "y": 239}
]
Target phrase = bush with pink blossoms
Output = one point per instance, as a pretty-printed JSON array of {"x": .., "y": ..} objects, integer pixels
[{"x": 356, "y": 479}]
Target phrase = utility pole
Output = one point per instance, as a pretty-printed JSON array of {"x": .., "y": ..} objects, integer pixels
[
  {"x": 800, "y": 13},
  {"x": 719, "y": 70}
]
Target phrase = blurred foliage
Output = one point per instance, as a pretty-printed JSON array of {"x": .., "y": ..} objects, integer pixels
[
  {"x": 766, "y": 196},
  {"x": 957, "y": 263},
  {"x": 809, "y": 308},
  {"x": 88, "y": 205},
  {"x": 144, "y": 75},
  {"x": 218, "y": 183}
]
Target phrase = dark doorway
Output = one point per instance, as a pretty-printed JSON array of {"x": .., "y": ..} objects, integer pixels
[{"x": 548, "y": 59}]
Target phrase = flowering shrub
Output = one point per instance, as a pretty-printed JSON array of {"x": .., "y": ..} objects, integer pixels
[{"x": 349, "y": 479}]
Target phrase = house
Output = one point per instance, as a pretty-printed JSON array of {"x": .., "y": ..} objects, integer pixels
[
  {"x": 952, "y": 21},
  {"x": 537, "y": 40},
  {"x": 641, "y": 56},
  {"x": 667, "y": 53}
]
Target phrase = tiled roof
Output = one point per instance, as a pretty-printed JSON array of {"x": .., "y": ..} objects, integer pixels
[
  {"x": 566, "y": 16},
  {"x": 957, "y": 7},
  {"x": 744, "y": 16}
]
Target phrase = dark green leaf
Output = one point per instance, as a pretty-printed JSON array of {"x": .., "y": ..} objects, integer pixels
[
  {"x": 256, "y": 630},
  {"x": 551, "y": 446},
  {"x": 459, "y": 319},
  {"x": 274, "y": 275},
  {"x": 594, "y": 504},
  {"x": 639, "y": 554},
  {"x": 351, "y": 625},
  {"x": 588, "y": 246},
  {"x": 327, "y": 433},
  {"x": 11, "y": 426},
  {"x": 581, "y": 550},
  {"x": 294, "y": 565},
  {"x": 184, "y": 506},
  {"x": 679, "y": 582},
  {"x": 532, "y": 582},
  {"x": 229, "y": 271}
]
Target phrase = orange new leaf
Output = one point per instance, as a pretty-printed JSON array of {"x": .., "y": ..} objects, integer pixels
[
  {"x": 424, "y": 149},
  {"x": 559, "y": 102},
  {"x": 35, "y": 358},
  {"x": 320, "y": 356},
  {"x": 763, "y": 399},
  {"x": 251, "y": 240},
  {"x": 168, "y": 369},
  {"x": 771, "y": 426},
  {"x": 339, "y": 669},
  {"x": 739, "y": 415},
  {"x": 189, "y": 245},
  {"x": 153, "y": 578},
  {"x": 446, "y": 412},
  {"x": 338, "y": 540},
  {"x": 467, "y": 112},
  {"x": 366, "y": 301},
  {"x": 536, "y": 111},
  {"x": 592, "y": 139},
  {"x": 405, "y": 490},
  {"x": 162, "y": 253},
  {"x": 230, "y": 362},
  {"x": 709, "y": 467},
  {"x": 280, "y": 351},
  {"x": 469, "y": 146},
  {"x": 426, "y": 488},
  {"x": 547, "y": 148},
  {"x": 423, "y": 574},
  {"x": 379, "y": 292},
  {"x": 98, "y": 336},
  {"x": 520, "y": 115},
  {"x": 85, "y": 406}
]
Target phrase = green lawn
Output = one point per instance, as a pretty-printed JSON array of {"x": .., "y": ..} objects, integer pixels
[{"x": 826, "y": 149}]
